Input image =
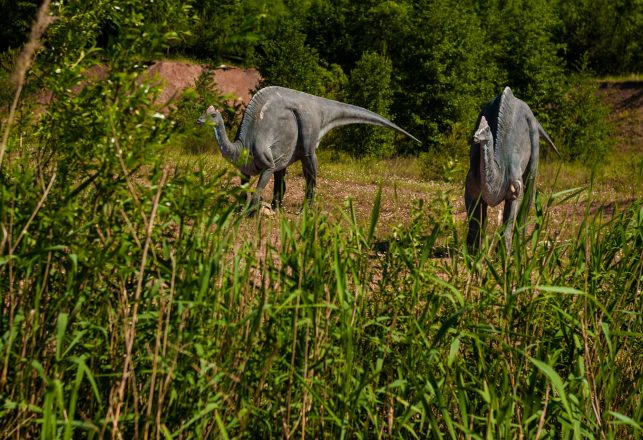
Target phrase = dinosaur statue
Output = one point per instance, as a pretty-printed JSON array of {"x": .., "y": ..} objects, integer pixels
[
  {"x": 505, "y": 169},
  {"x": 281, "y": 126}
]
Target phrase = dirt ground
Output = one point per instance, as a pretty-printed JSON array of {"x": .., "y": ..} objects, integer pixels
[{"x": 626, "y": 101}]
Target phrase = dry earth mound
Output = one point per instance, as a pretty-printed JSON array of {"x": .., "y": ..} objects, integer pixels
[{"x": 176, "y": 76}]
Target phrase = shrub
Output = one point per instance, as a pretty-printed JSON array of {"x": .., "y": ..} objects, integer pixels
[
  {"x": 581, "y": 127},
  {"x": 370, "y": 88}
]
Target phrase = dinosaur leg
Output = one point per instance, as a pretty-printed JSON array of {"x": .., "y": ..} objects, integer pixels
[
  {"x": 309, "y": 167},
  {"x": 525, "y": 206},
  {"x": 509, "y": 219},
  {"x": 245, "y": 180},
  {"x": 279, "y": 189},
  {"x": 527, "y": 181},
  {"x": 529, "y": 177},
  {"x": 264, "y": 178},
  {"x": 477, "y": 215}
]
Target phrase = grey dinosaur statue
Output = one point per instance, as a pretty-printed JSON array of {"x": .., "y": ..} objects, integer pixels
[
  {"x": 281, "y": 126},
  {"x": 503, "y": 164}
]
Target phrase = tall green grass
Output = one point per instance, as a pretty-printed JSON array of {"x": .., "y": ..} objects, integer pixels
[{"x": 183, "y": 319}]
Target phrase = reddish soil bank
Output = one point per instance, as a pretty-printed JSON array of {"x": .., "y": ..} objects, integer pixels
[{"x": 176, "y": 76}]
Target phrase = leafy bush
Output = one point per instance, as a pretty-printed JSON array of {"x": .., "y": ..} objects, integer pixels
[
  {"x": 370, "y": 88},
  {"x": 194, "y": 101},
  {"x": 451, "y": 160},
  {"x": 582, "y": 128}
]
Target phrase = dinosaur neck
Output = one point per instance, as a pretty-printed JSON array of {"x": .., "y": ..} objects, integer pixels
[
  {"x": 230, "y": 150},
  {"x": 490, "y": 172}
]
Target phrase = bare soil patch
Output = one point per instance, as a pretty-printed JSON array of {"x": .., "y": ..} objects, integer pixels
[
  {"x": 626, "y": 101},
  {"x": 176, "y": 76}
]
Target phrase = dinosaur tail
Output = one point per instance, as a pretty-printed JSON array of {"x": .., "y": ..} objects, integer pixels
[
  {"x": 543, "y": 133},
  {"x": 339, "y": 114}
]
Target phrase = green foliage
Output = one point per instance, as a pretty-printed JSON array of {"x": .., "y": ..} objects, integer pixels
[
  {"x": 230, "y": 29},
  {"x": 289, "y": 62},
  {"x": 137, "y": 304},
  {"x": 447, "y": 71},
  {"x": 140, "y": 29},
  {"x": 370, "y": 87},
  {"x": 451, "y": 161},
  {"x": 15, "y": 22},
  {"x": 194, "y": 101},
  {"x": 527, "y": 53},
  {"x": 582, "y": 129},
  {"x": 7, "y": 85},
  {"x": 607, "y": 34}
]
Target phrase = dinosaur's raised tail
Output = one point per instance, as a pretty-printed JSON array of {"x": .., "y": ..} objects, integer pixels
[
  {"x": 545, "y": 136},
  {"x": 339, "y": 114}
]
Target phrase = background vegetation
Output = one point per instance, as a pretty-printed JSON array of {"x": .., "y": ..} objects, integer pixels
[
  {"x": 435, "y": 62},
  {"x": 136, "y": 303}
]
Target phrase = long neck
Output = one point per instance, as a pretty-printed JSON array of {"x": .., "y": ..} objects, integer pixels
[
  {"x": 231, "y": 151},
  {"x": 491, "y": 172}
]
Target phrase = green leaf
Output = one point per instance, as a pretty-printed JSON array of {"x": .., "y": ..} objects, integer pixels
[
  {"x": 625, "y": 420},
  {"x": 556, "y": 382},
  {"x": 60, "y": 333},
  {"x": 453, "y": 351},
  {"x": 375, "y": 214}
]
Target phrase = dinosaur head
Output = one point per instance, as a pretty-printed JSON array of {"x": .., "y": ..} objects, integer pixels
[
  {"x": 210, "y": 114},
  {"x": 483, "y": 133}
]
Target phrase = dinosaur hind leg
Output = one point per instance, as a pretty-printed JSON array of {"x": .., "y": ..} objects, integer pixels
[
  {"x": 264, "y": 178},
  {"x": 477, "y": 215},
  {"x": 309, "y": 167},
  {"x": 279, "y": 189}
]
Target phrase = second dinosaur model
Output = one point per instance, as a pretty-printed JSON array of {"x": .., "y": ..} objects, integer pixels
[
  {"x": 503, "y": 164},
  {"x": 281, "y": 126}
]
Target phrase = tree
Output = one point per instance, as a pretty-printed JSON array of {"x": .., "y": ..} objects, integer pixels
[
  {"x": 608, "y": 33},
  {"x": 370, "y": 87},
  {"x": 15, "y": 22},
  {"x": 289, "y": 62},
  {"x": 528, "y": 53},
  {"x": 446, "y": 70}
]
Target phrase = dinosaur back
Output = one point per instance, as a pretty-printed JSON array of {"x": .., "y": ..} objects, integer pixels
[
  {"x": 253, "y": 109},
  {"x": 331, "y": 113},
  {"x": 504, "y": 121}
]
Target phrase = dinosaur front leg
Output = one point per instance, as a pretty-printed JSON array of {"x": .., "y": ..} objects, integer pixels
[
  {"x": 477, "y": 215},
  {"x": 509, "y": 220},
  {"x": 245, "y": 180},
  {"x": 309, "y": 167},
  {"x": 279, "y": 189},
  {"x": 264, "y": 178}
]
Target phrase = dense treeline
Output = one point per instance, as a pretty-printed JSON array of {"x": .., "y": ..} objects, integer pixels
[{"x": 427, "y": 64}]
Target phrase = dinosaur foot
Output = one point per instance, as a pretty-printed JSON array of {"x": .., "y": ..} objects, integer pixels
[{"x": 266, "y": 209}]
